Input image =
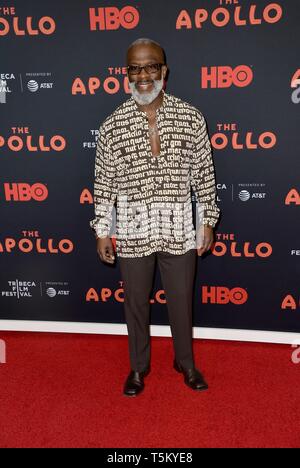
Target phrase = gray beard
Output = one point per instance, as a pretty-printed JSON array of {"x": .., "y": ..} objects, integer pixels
[{"x": 146, "y": 98}]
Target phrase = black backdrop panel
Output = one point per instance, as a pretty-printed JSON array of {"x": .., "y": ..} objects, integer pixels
[{"x": 62, "y": 73}]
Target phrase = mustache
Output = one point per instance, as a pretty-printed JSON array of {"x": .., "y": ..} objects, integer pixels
[
  {"x": 143, "y": 81},
  {"x": 134, "y": 84}
]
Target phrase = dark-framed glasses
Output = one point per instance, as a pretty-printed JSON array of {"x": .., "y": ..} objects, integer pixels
[{"x": 149, "y": 68}]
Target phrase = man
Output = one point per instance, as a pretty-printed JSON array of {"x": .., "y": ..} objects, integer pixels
[{"x": 150, "y": 151}]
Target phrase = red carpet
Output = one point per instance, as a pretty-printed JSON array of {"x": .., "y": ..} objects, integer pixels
[{"x": 60, "y": 390}]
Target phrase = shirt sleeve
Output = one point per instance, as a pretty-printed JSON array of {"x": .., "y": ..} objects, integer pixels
[
  {"x": 203, "y": 176},
  {"x": 105, "y": 186}
]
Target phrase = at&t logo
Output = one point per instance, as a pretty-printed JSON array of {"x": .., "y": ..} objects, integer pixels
[
  {"x": 51, "y": 292},
  {"x": 33, "y": 86},
  {"x": 244, "y": 195}
]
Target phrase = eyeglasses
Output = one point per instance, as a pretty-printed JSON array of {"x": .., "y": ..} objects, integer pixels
[{"x": 149, "y": 68}]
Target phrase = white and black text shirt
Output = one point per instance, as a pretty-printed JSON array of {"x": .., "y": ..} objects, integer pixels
[{"x": 153, "y": 193}]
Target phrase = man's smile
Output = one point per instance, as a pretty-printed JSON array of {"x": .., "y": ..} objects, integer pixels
[{"x": 143, "y": 84}]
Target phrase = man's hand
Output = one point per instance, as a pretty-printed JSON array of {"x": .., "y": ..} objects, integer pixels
[
  {"x": 105, "y": 250},
  {"x": 208, "y": 238}
]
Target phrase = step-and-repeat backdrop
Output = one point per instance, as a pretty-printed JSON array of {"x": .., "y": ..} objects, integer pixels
[{"x": 62, "y": 72}]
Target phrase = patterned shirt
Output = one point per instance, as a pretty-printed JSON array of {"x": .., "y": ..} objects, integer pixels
[{"x": 153, "y": 193}]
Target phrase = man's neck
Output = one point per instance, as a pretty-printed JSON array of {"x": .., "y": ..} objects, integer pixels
[{"x": 151, "y": 108}]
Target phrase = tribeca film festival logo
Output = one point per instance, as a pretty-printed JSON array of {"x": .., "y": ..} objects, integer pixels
[
  {"x": 11, "y": 23},
  {"x": 115, "y": 81},
  {"x": 295, "y": 83},
  {"x": 112, "y": 18},
  {"x": 20, "y": 289},
  {"x": 295, "y": 252},
  {"x": 230, "y": 12},
  {"x": 31, "y": 241},
  {"x": 6, "y": 86},
  {"x": 23, "y": 139},
  {"x": 92, "y": 142},
  {"x": 229, "y": 135}
]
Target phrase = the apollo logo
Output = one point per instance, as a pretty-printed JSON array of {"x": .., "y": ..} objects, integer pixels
[
  {"x": 223, "y": 295},
  {"x": 112, "y": 18},
  {"x": 226, "y": 244},
  {"x": 237, "y": 141},
  {"x": 86, "y": 197},
  {"x": 225, "y": 76},
  {"x": 36, "y": 244},
  {"x": 110, "y": 85},
  {"x": 24, "y": 192},
  {"x": 9, "y": 22},
  {"x": 21, "y": 141},
  {"x": 238, "y": 15},
  {"x": 244, "y": 250},
  {"x": 290, "y": 302},
  {"x": 293, "y": 197},
  {"x": 106, "y": 294}
]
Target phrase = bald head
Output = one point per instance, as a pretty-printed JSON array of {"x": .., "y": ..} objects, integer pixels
[{"x": 146, "y": 47}]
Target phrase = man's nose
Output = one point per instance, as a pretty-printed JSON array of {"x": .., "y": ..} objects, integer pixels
[{"x": 144, "y": 75}]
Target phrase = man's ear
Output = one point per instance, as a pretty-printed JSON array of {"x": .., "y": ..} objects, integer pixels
[{"x": 164, "y": 70}]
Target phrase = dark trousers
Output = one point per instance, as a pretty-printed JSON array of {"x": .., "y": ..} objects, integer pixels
[{"x": 177, "y": 275}]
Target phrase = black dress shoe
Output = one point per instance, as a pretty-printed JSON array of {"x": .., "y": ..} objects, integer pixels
[
  {"x": 135, "y": 382},
  {"x": 192, "y": 377}
]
